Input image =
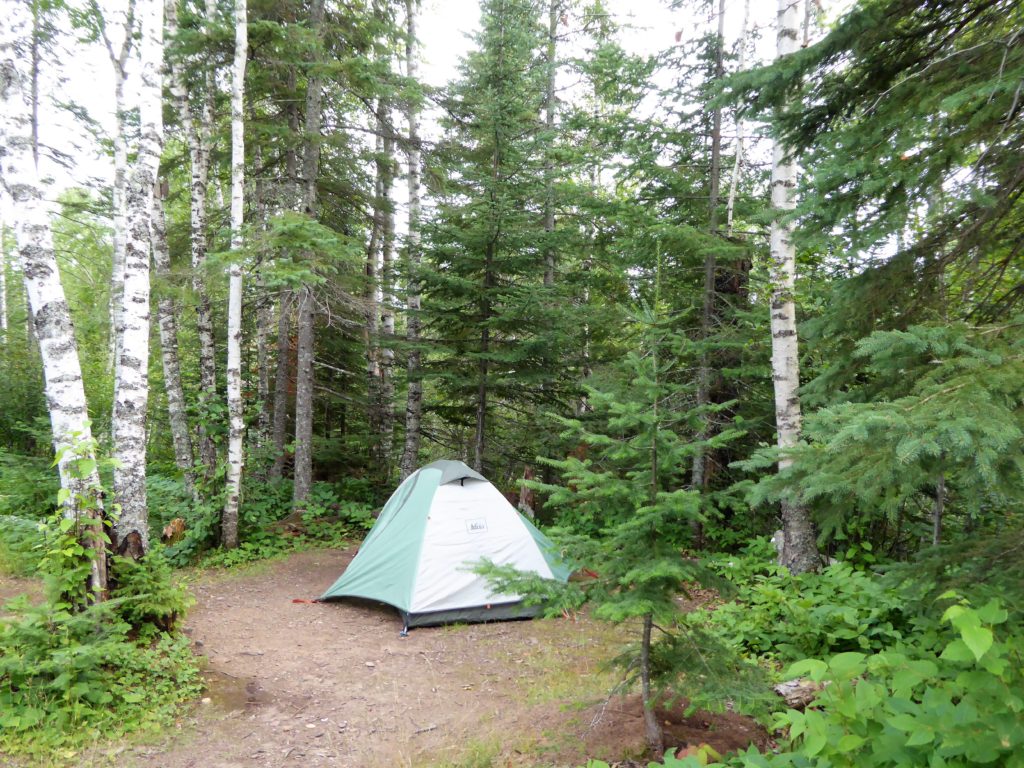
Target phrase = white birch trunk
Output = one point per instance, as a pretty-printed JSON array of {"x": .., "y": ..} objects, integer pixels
[
  {"x": 168, "y": 323},
  {"x": 414, "y": 396},
  {"x": 62, "y": 372},
  {"x": 3, "y": 266},
  {"x": 131, "y": 381},
  {"x": 370, "y": 331},
  {"x": 737, "y": 161},
  {"x": 119, "y": 63},
  {"x": 799, "y": 551},
  {"x": 387, "y": 303},
  {"x": 197, "y": 134},
  {"x": 236, "y": 427}
]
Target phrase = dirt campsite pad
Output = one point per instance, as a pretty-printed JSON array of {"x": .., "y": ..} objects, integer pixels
[{"x": 334, "y": 684}]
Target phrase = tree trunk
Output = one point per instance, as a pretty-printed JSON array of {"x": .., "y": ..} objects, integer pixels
[
  {"x": 304, "y": 400},
  {"x": 131, "y": 379},
  {"x": 414, "y": 394},
  {"x": 937, "y": 510},
  {"x": 698, "y": 475},
  {"x": 737, "y": 160},
  {"x": 481, "y": 404},
  {"x": 479, "y": 439},
  {"x": 281, "y": 379},
  {"x": 119, "y": 61},
  {"x": 236, "y": 428},
  {"x": 304, "y": 372},
  {"x": 652, "y": 728},
  {"x": 198, "y": 138},
  {"x": 264, "y": 304},
  {"x": 3, "y": 266},
  {"x": 62, "y": 372},
  {"x": 799, "y": 550},
  {"x": 370, "y": 293},
  {"x": 386, "y": 392},
  {"x": 166, "y": 317}
]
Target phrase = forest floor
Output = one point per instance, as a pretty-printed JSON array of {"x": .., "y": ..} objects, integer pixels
[{"x": 333, "y": 684}]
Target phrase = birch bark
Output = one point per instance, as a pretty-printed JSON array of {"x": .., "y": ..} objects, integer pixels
[
  {"x": 51, "y": 317},
  {"x": 387, "y": 302},
  {"x": 3, "y": 266},
  {"x": 197, "y": 135},
  {"x": 737, "y": 160},
  {"x": 131, "y": 380},
  {"x": 119, "y": 63},
  {"x": 370, "y": 271},
  {"x": 304, "y": 369},
  {"x": 414, "y": 393},
  {"x": 167, "y": 320},
  {"x": 236, "y": 427},
  {"x": 799, "y": 549}
]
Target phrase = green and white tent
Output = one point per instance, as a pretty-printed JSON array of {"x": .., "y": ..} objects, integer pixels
[{"x": 420, "y": 554}]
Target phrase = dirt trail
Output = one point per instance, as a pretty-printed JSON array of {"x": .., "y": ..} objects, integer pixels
[
  {"x": 300, "y": 684},
  {"x": 334, "y": 684}
]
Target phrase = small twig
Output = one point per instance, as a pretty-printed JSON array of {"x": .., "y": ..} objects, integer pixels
[{"x": 424, "y": 730}]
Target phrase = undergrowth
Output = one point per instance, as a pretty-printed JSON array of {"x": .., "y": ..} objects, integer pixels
[
  {"x": 75, "y": 671},
  {"x": 914, "y": 672},
  {"x": 268, "y": 527}
]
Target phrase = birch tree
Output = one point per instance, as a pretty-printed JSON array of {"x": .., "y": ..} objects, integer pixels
[
  {"x": 386, "y": 401},
  {"x": 737, "y": 160},
  {"x": 197, "y": 129},
  {"x": 229, "y": 522},
  {"x": 3, "y": 266},
  {"x": 414, "y": 393},
  {"x": 168, "y": 324},
  {"x": 799, "y": 549},
  {"x": 119, "y": 54},
  {"x": 131, "y": 373},
  {"x": 51, "y": 316}
]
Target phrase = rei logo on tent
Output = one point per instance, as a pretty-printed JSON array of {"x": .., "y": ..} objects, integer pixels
[{"x": 476, "y": 526}]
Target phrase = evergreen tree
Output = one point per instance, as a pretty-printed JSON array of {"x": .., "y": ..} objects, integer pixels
[
  {"x": 628, "y": 504},
  {"x": 484, "y": 295}
]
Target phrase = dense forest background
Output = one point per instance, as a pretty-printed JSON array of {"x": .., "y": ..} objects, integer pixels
[{"x": 669, "y": 303}]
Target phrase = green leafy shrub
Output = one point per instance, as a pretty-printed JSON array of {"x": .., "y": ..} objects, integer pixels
[
  {"x": 757, "y": 558},
  {"x": 783, "y": 617},
  {"x": 327, "y": 521},
  {"x": 954, "y": 697},
  {"x": 19, "y": 545},
  {"x": 67, "y": 676},
  {"x": 28, "y": 485},
  {"x": 147, "y": 594}
]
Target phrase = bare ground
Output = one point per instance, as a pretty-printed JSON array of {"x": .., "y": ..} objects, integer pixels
[{"x": 300, "y": 684}]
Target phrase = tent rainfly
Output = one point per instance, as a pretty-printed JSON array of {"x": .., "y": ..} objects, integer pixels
[{"x": 420, "y": 554}]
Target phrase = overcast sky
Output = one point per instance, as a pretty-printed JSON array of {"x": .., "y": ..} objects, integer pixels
[{"x": 83, "y": 73}]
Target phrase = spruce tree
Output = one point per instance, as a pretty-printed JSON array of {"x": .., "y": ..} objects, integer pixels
[{"x": 484, "y": 295}]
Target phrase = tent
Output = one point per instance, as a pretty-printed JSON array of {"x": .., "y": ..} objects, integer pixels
[{"x": 419, "y": 555}]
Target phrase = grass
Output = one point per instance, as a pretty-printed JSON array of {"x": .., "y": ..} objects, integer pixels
[{"x": 478, "y": 753}]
